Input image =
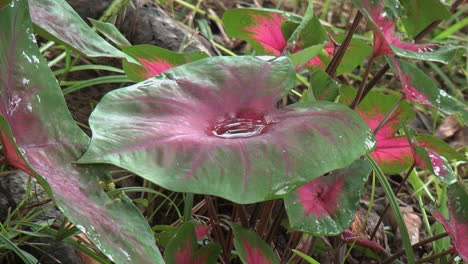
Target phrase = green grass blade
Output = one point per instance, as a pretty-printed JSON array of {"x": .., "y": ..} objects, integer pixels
[
  {"x": 25, "y": 256},
  {"x": 96, "y": 81},
  {"x": 307, "y": 258},
  {"x": 395, "y": 208}
]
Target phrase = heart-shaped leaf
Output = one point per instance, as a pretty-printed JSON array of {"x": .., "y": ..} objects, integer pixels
[
  {"x": 40, "y": 137},
  {"x": 326, "y": 205},
  {"x": 212, "y": 127},
  {"x": 183, "y": 248},
  {"x": 155, "y": 60},
  {"x": 251, "y": 248},
  {"x": 457, "y": 224},
  {"x": 387, "y": 42},
  {"x": 57, "y": 20},
  {"x": 421, "y": 13},
  {"x": 420, "y": 88},
  {"x": 323, "y": 87}
]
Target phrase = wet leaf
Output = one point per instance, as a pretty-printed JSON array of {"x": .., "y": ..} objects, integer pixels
[
  {"x": 421, "y": 86},
  {"x": 457, "y": 224},
  {"x": 251, "y": 248},
  {"x": 57, "y": 20},
  {"x": 155, "y": 60},
  {"x": 111, "y": 32},
  {"x": 437, "y": 164},
  {"x": 421, "y": 13},
  {"x": 41, "y": 137},
  {"x": 222, "y": 133},
  {"x": 183, "y": 248},
  {"x": 326, "y": 205}
]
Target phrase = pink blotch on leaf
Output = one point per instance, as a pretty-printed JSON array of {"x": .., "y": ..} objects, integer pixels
[
  {"x": 349, "y": 237},
  {"x": 409, "y": 92},
  {"x": 154, "y": 67},
  {"x": 186, "y": 256},
  {"x": 437, "y": 163},
  {"x": 387, "y": 35},
  {"x": 458, "y": 231},
  {"x": 11, "y": 156},
  {"x": 389, "y": 148},
  {"x": 201, "y": 231},
  {"x": 320, "y": 198},
  {"x": 317, "y": 62},
  {"x": 267, "y": 31},
  {"x": 255, "y": 255}
]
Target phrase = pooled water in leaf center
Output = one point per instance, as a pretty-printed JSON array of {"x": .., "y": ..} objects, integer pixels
[{"x": 240, "y": 127}]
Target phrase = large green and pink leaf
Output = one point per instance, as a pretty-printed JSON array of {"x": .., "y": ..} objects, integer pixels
[
  {"x": 457, "y": 224},
  {"x": 420, "y": 88},
  {"x": 40, "y": 137},
  {"x": 326, "y": 205},
  {"x": 387, "y": 42},
  {"x": 155, "y": 60},
  {"x": 183, "y": 248},
  {"x": 57, "y": 20},
  {"x": 251, "y": 248},
  {"x": 213, "y": 127}
]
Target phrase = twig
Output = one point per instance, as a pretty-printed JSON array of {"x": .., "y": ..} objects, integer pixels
[
  {"x": 414, "y": 246},
  {"x": 336, "y": 60},
  {"x": 363, "y": 84},
  {"x": 267, "y": 209}
]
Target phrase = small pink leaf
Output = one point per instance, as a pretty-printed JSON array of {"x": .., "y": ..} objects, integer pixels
[
  {"x": 154, "y": 67},
  {"x": 384, "y": 34},
  {"x": 254, "y": 255},
  {"x": 266, "y": 29}
]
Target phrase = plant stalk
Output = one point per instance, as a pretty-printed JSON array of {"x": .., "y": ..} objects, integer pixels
[
  {"x": 336, "y": 60},
  {"x": 363, "y": 83}
]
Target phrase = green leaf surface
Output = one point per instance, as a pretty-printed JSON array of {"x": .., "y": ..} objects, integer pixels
[
  {"x": 221, "y": 133},
  {"x": 111, "y": 32},
  {"x": 40, "y": 136},
  {"x": 251, "y": 248},
  {"x": 4, "y": 3},
  {"x": 301, "y": 57},
  {"x": 355, "y": 54},
  {"x": 439, "y": 98},
  {"x": 436, "y": 164},
  {"x": 155, "y": 60},
  {"x": 323, "y": 87},
  {"x": 421, "y": 13},
  {"x": 183, "y": 249},
  {"x": 57, "y": 20},
  {"x": 326, "y": 206}
]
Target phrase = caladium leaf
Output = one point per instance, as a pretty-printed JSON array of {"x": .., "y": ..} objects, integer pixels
[
  {"x": 40, "y": 137},
  {"x": 457, "y": 224},
  {"x": 387, "y": 42},
  {"x": 155, "y": 60},
  {"x": 437, "y": 164},
  {"x": 393, "y": 153},
  {"x": 212, "y": 127},
  {"x": 420, "y": 88},
  {"x": 269, "y": 30},
  {"x": 111, "y": 32},
  {"x": 421, "y": 13},
  {"x": 183, "y": 248},
  {"x": 251, "y": 248},
  {"x": 326, "y": 205},
  {"x": 57, "y": 20}
]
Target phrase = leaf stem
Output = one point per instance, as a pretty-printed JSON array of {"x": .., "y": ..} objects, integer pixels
[
  {"x": 388, "y": 115},
  {"x": 188, "y": 204},
  {"x": 414, "y": 246},
  {"x": 363, "y": 83},
  {"x": 336, "y": 60},
  {"x": 267, "y": 210}
]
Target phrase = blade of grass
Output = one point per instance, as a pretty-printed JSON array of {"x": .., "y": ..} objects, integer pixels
[
  {"x": 89, "y": 67},
  {"x": 96, "y": 81},
  {"x": 452, "y": 29},
  {"x": 395, "y": 208},
  {"x": 307, "y": 258},
  {"x": 25, "y": 256}
]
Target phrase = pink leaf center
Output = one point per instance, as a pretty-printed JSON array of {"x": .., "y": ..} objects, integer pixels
[{"x": 320, "y": 198}]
